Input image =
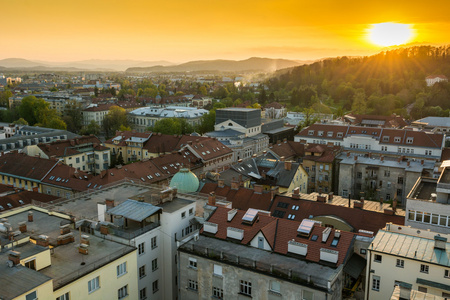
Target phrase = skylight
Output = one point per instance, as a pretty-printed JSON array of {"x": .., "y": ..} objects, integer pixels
[
  {"x": 306, "y": 227},
  {"x": 250, "y": 216}
]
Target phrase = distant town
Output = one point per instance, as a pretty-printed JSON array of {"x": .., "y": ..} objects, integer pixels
[{"x": 225, "y": 185}]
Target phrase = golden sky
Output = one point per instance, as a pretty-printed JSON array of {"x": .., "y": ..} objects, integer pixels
[{"x": 182, "y": 30}]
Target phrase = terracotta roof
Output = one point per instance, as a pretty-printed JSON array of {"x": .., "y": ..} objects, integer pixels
[
  {"x": 18, "y": 164},
  {"x": 445, "y": 154},
  {"x": 278, "y": 232},
  {"x": 420, "y": 138},
  {"x": 392, "y": 121},
  {"x": 275, "y": 105},
  {"x": 242, "y": 198},
  {"x": 288, "y": 149},
  {"x": 436, "y": 76},
  {"x": 204, "y": 147},
  {"x": 328, "y": 153},
  {"x": 21, "y": 198},
  {"x": 68, "y": 147},
  {"x": 67, "y": 177},
  {"x": 357, "y": 218}
]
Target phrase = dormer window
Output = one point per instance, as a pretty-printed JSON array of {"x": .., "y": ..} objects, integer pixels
[
  {"x": 397, "y": 139},
  {"x": 409, "y": 140},
  {"x": 311, "y": 132},
  {"x": 320, "y": 133},
  {"x": 385, "y": 139},
  {"x": 330, "y": 133},
  {"x": 340, "y": 134}
]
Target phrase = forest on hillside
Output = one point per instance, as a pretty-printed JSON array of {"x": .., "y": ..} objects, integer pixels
[{"x": 389, "y": 82}]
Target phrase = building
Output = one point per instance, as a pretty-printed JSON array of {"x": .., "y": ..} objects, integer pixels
[
  {"x": 433, "y": 124},
  {"x": 145, "y": 117},
  {"x": 48, "y": 259},
  {"x": 97, "y": 112},
  {"x": 392, "y": 121},
  {"x": 241, "y": 254},
  {"x": 84, "y": 153},
  {"x": 410, "y": 258},
  {"x": 135, "y": 146},
  {"x": 384, "y": 141},
  {"x": 275, "y": 110},
  {"x": 276, "y": 131},
  {"x": 380, "y": 178},
  {"x": 240, "y": 130},
  {"x": 428, "y": 202},
  {"x": 432, "y": 79},
  {"x": 321, "y": 164},
  {"x": 294, "y": 118}
]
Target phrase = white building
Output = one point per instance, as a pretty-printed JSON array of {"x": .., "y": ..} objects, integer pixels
[
  {"x": 431, "y": 80},
  {"x": 409, "y": 258}
]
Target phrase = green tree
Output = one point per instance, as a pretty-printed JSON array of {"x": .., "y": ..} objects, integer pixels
[
  {"x": 172, "y": 126},
  {"x": 308, "y": 120},
  {"x": 91, "y": 128},
  {"x": 21, "y": 121},
  {"x": 115, "y": 118},
  {"x": 56, "y": 123},
  {"x": 73, "y": 116},
  {"x": 4, "y": 98},
  {"x": 359, "y": 102},
  {"x": 207, "y": 122}
]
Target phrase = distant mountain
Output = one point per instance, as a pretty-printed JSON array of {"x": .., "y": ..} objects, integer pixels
[
  {"x": 87, "y": 65},
  {"x": 251, "y": 64}
]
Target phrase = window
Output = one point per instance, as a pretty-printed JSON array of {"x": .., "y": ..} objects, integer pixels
[
  {"x": 142, "y": 273},
  {"x": 64, "y": 297},
  {"x": 94, "y": 284},
  {"x": 424, "y": 269},
  {"x": 275, "y": 286},
  {"x": 422, "y": 289},
  {"x": 121, "y": 269},
  {"x": 340, "y": 134},
  {"x": 217, "y": 292},
  {"x": 400, "y": 180},
  {"x": 217, "y": 270},
  {"x": 141, "y": 248},
  {"x": 359, "y": 175},
  {"x": 193, "y": 263},
  {"x": 377, "y": 258},
  {"x": 363, "y": 251},
  {"x": 155, "y": 286},
  {"x": 400, "y": 263},
  {"x": 154, "y": 244},
  {"x": 447, "y": 274},
  {"x": 397, "y": 139},
  {"x": 193, "y": 285},
  {"x": 311, "y": 132},
  {"x": 122, "y": 292},
  {"x": 387, "y": 173},
  {"x": 143, "y": 294},
  {"x": 31, "y": 296},
  {"x": 245, "y": 287},
  {"x": 191, "y": 211},
  {"x": 154, "y": 265},
  {"x": 183, "y": 215},
  {"x": 445, "y": 295},
  {"x": 77, "y": 160},
  {"x": 388, "y": 197},
  {"x": 376, "y": 283}
]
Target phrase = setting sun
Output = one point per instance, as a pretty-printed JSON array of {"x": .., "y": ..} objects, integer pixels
[{"x": 390, "y": 34}]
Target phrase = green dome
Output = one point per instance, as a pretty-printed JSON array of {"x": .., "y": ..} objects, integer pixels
[{"x": 185, "y": 181}]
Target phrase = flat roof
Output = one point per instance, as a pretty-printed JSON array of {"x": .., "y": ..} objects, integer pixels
[{"x": 134, "y": 210}]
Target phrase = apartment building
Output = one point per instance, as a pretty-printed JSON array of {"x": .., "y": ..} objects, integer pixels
[{"x": 416, "y": 260}]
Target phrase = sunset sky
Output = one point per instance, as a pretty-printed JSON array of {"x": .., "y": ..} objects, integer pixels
[{"x": 181, "y": 30}]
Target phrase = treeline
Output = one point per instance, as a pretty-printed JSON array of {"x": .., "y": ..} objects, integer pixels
[{"x": 389, "y": 82}]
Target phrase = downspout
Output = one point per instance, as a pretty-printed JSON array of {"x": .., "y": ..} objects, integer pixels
[{"x": 368, "y": 275}]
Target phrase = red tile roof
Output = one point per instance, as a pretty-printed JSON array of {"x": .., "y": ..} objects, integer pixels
[
  {"x": 278, "y": 232},
  {"x": 68, "y": 147},
  {"x": 22, "y": 165}
]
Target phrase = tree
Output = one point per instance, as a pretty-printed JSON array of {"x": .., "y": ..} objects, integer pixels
[
  {"x": 21, "y": 121},
  {"x": 37, "y": 112},
  {"x": 56, "y": 123},
  {"x": 116, "y": 117},
  {"x": 308, "y": 120},
  {"x": 207, "y": 122},
  {"x": 172, "y": 126},
  {"x": 119, "y": 160},
  {"x": 4, "y": 98},
  {"x": 91, "y": 128},
  {"x": 359, "y": 102},
  {"x": 74, "y": 116}
]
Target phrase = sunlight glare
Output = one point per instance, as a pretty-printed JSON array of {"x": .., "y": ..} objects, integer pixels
[{"x": 390, "y": 34}]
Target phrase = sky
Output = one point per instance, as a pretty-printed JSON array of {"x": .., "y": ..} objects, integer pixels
[{"x": 181, "y": 30}]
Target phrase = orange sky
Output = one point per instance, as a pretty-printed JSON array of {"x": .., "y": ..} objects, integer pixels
[{"x": 181, "y": 30}]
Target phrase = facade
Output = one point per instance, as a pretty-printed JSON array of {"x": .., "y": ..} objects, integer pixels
[
  {"x": 236, "y": 257},
  {"x": 145, "y": 117},
  {"x": 83, "y": 153},
  {"x": 433, "y": 124},
  {"x": 431, "y": 80},
  {"x": 320, "y": 164},
  {"x": 384, "y": 141},
  {"x": 294, "y": 118},
  {"x": 380, "y": 178},
  {"x": 427, "y": 205},
  {"x": 392, "y": 121},
  {"x": 97, "y": 112},
  {"x": 410, "y": 258},
  {"x": 240, "y": 130}
]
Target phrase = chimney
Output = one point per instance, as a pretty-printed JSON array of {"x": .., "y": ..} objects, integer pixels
[
  {"x": 30, "y": 216},
  {"x": 408, "y": 164},
  {"x": 104, "y": 229},
  {"x": 282, "y": 158},
  {"x": 439, "y": 242},
  {"x": 64, "y": 229},
  {"x": 330, "y": 196},
  {"x": 388, "y": 211},
  {"x": 231, "y": 214},
  {"x": 212, "y": 199},
  {"x": 356, "y": 157},
  {"x": 421, "y": 162},
  {"x": 258, "y": 189},
  {"x": 382, "y": 159},
  {"x": 348, "y": 154},
  {"x": 325, "y": 234},
  {"x": 273, "y": 192},
  {"x": 109, "y": 203},
  {"x": 234, "y": 184},
  {"x": 370, "y": 155},
  {"x": 85, "y": 239},
  {"x": 321, "y": 198},
  {"x": 287, "y": 165},
  {"x": 357, "y": 204},
  {"x": 296, "y": 193},
  {"x": 23, "y": 226},
  {"x": 42, "y": 240},
  {"x": 221, "y": 183},
  {"x": 65, "y": 239},
  {"x": 83, "y": 249},
  {"x": 14, "y": 256}
]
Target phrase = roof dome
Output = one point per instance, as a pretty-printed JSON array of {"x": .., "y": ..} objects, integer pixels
[{"x": 185, "y": 181}]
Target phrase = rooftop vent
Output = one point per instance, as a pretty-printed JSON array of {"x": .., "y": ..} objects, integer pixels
[
  {"x": 440, "y": 242},
  {"x": 210, "y": 227},
  {"x": 326, "y": 234},
  {"x": 235, "y": 233},
  {"x": 231, "y": 214},
  {"x": 329, "y": 255},
  {"x": 297, "y": 248}
]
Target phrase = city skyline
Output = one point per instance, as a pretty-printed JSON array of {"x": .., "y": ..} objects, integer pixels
[{"x": 180, "y": 31}]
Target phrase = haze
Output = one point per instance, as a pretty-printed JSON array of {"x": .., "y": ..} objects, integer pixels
[{"x": 180, "y": 30}]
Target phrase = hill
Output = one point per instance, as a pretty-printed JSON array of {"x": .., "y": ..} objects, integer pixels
[{"x": 251, "y": 64}]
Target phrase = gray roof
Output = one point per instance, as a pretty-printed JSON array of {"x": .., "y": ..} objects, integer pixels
[
  {"x": 355, "y": 266},
  {"x": 412, "y": 247},
  {"x": 224, "y": 133},
  {"x": 436, "y": 121},
  {"x": 134, "y": 210}
]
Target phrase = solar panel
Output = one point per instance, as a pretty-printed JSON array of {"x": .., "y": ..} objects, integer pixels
[
  {"x": 250, "y": 215},
  {"x": 306, "y": 227}
]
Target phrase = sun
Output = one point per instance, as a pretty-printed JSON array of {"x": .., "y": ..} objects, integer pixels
[{"x": 390, "y": 34}]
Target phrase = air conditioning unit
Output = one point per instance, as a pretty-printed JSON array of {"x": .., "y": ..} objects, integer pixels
[{"x": 196, "y": 237}]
